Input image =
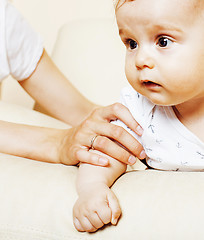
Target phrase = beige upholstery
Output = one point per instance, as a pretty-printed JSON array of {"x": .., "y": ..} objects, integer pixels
[
  {"x": 36, "y": 198},
  {"x": 90, "y": 53}
]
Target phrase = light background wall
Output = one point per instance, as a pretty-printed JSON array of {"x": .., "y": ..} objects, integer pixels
[{"x": 46, "y": 17}]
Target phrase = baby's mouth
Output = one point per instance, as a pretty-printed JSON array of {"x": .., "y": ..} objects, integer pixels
[{"x": 150, "y": 84}]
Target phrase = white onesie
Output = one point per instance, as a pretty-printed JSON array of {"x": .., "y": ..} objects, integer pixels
[
  {"x": 168, "y": 144},
  {"x": 20, "y": 47}
]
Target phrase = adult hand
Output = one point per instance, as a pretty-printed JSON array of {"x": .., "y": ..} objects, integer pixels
[{"x": 97, "y": 132}]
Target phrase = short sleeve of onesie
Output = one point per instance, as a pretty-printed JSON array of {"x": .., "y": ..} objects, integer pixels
[{"x": 20, "y": 46}]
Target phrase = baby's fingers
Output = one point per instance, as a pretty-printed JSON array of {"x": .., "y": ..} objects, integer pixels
[
  {"x": 84, "y": 225},
  {"x": 104, "y": 213},
  {"x": 78, "y": 225},
  {"x": 115, "y": 208}
]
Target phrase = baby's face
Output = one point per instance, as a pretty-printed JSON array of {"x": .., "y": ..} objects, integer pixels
[{"x": 165, "y": 49}]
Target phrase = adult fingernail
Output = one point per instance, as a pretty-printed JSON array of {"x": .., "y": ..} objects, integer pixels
[
  {"x": 132, "y": 160},
  {"x": 139, "y": 130},
  {"x": 103, "y": 161},
  {"x": 143, "y": 154}
]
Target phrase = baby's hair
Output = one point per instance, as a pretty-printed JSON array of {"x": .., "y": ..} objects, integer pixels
[{"x": 197, "y": 5}]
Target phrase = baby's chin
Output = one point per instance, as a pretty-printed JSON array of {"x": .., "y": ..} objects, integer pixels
[
  {"x": 160, "y": 98},
  {"x": 160, "y": 101}
]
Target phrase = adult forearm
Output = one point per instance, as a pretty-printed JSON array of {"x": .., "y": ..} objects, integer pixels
[
  {"x": 32, "y": 142},
  {"x": 49, "y": 87}
]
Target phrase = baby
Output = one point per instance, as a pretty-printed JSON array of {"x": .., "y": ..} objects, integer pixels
[{"x": 165, "y": 68}]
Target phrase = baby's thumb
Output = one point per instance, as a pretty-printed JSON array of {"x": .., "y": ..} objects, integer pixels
[{"x": 115, "y": 208}]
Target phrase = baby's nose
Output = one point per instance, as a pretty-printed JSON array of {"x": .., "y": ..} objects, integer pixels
[{"x": 143, "y": 60}]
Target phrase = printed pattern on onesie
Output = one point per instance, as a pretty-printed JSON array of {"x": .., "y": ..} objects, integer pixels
[{"x": 168, "y": 144}]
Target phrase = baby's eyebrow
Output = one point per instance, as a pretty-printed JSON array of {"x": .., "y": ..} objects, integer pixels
[
  {"x": 121, "y": 31},
  {"x": 167, "y": 27},
  {"x": 157, "y": 27}
]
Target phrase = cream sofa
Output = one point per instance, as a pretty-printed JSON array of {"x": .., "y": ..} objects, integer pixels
[{"x": 36, "y": 198}]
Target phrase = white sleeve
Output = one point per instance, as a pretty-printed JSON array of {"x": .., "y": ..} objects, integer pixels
[
  {"x": 139, "y": 107},
  {"x": 24, "y": 46}
]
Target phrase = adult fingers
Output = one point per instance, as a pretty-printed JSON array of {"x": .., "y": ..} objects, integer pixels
[
  {"x": 114, "y": 150},
  {"x": 120, "y": 135},
  {"x": 118, "y": 111},
  {"x": 89, "y": 157},
  {"x": 109, "y": 148},
  {"x": 119, "y": 154},
  {"x": 100, "y": 125}
]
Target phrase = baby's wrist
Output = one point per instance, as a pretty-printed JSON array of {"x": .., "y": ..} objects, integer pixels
[{"x": 86, "y": 189}]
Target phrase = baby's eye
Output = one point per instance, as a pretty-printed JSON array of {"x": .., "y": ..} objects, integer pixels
[
  {"x": 164, "y": 42},
  {"x": 131, "y": 44}
]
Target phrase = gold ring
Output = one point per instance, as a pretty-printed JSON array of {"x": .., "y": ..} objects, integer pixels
[{"x": 92, "y": 142}]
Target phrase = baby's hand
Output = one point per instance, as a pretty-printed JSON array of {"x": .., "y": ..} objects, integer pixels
[{"x": 94, "y": 208}]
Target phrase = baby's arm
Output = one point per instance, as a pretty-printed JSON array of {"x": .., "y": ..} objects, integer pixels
[{"x": 97, "y": 205}]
